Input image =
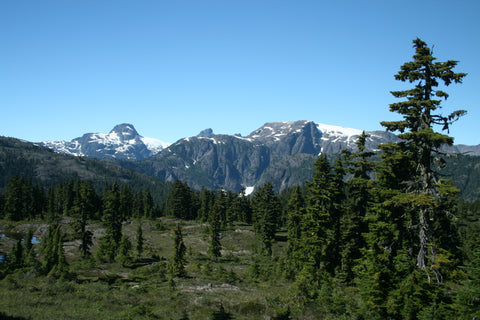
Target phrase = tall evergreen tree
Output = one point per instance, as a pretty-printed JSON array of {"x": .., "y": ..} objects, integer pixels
[
  {"x": 423, "y": 191},
  {"x": 180, "y": 250},
  {"x": 266, "y": 213},
  {"x": 179, "y": 202},
  {"x": 111, "y": 213},
  {"x": 215, "y": 223},
  {"x": 139, "y": 240},
  {"x": 84, "y": 207},
  {"x": 318, "y": 225},
  {"x": 109, "y": 244},
  {"x": 296, "y": 210},
  {"x": 357, "y": 201},
  {"x": 126, "y": 203}
]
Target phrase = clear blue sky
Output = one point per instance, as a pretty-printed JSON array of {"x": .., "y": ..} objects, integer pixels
[{"x": 174, "y": 68}]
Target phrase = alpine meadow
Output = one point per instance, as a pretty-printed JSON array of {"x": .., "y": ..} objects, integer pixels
[{"x": 384, "y": 232}]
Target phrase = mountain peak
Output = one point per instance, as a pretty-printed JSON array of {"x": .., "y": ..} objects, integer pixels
[
  {"x": 125, "y": 131},
  {"x": 122, "y": 142},
  {"x": 207, "y": 133}
]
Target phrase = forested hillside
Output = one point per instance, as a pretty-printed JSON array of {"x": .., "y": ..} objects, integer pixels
[
  {"x": 366, "y": 237},
  {"x": 46, "y": 168}
]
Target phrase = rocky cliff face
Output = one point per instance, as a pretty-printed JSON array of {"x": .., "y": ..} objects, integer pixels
[
  {"x": 282, "y": 152},
  {"x": 220, "y": 161}
]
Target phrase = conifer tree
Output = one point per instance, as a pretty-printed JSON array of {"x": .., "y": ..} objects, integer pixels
[
  {"x": 29, "y": 252},
  {"x": 16, "y": 256},
  {"x": 357, "y": 203},
  {"x": 214, "y": 220},
  {"x": 108, "y": 245},
  {"x": 318, "y": 229},
  {"x": 179, "y": 202},
  {"x": 126, "y": 203},
  {"x": 423, "y": 191},
  {"x": 111, "y": 213},
  {"x": 148, "y": 204},
  {"x": 139, "y": 240},
  {"x": 207, "y": 198},
  {"x": 84, "y": 207},
  {"x": 266, "y": 212},
  {"x": 124, "y": 250},
  {"x": 180, "y": 250},
  {"x": 296, "y": 210}
]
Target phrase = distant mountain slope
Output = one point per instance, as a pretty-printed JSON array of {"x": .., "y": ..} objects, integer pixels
[
  {"x": 123, "y": 142},
  {"x": 48, "y": 168},
  {"x": 281, "y": 152}
]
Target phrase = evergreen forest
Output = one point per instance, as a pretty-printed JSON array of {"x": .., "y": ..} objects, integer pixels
[{"x": 371, "y": 236}]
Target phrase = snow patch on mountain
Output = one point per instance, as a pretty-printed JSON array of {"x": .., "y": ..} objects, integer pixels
[
  {"x": 332, "y": 130},
  {"x": 154, "y": 145}
]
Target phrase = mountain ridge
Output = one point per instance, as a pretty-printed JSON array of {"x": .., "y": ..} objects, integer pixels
[
  {"x": 122, "y": 142},
  {"x": 276, "y": 151}
]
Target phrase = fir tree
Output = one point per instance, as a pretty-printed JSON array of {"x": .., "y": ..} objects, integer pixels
[
  {"x": 296, "y": 210},
  {"x": 180, "y": 250},
  {"x": 29, "y": 252},
  {"x": 124, "y": 250},
  {"x": 266, "y": 212},
  {"x": 423, "y": 191},
  {"x": 139, "y": 240},
  {"x": 318, "y": 225},
  {"x": 16, "y": 256},
  {"x": 214, "y": 219}
]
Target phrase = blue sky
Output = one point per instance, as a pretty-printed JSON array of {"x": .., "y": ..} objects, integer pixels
[{"x": 174, "y": 68}]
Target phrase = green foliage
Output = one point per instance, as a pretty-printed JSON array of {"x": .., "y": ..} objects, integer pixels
[
  {"x": 214, "y": 250},
  {"x": 266, "y": 211},
  {"x": 179, "y": 260},
  {"x": 181, "y": 202},
  {"x": 361, "y": 240},
  {"x": 139, "y": 240},
  {"x": 420, "y": 189},
  {"x": 124, "y": 251}
]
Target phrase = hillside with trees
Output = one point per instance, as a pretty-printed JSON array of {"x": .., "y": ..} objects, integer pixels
[{"x": 367, "y": 237}]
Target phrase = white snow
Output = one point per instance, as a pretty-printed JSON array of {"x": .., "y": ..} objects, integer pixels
[
  {"x": 154, "y": 145},
  {"x": 249, "y": 190},
  {"x": 338, "y": 131}
]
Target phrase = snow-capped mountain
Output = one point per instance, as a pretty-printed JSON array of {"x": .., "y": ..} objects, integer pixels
[
  {"x": 282, "y": 152},
  {"x": 122, "y": 142},
  {"x": 278, "y": 151},
  {"x": 313, "y": 138}
]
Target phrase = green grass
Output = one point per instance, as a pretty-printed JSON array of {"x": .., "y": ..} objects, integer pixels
[{"x": 146, "y": 290}]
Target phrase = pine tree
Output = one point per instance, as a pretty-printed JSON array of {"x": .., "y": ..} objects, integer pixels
[
  {"x": 16, "y": 256},
  {"x": 180, "y": 250},
  {"x": 111, "y": 213},
  {"x": 84, "y": 206},
  {"x": 422, "y": 193},
  {"x": 29, "y": 252},
  {"x": 148, "y": 204},
  {"x": 214, "y": 220},
  {"x": 109, "y": 244},
  {"x": 296, "y": 210},
  {"x": 318, "y": 225},
  {"x": 207, "y": 198},
  {"x": 139, "y": 240},
  {"x": 126, "y": 203},
  {"x": 266, "y": 212},
  {"x": 124, "y": 250},
  {"x": 179, "y": 202},
  {"x": 357, "y": 200}
]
